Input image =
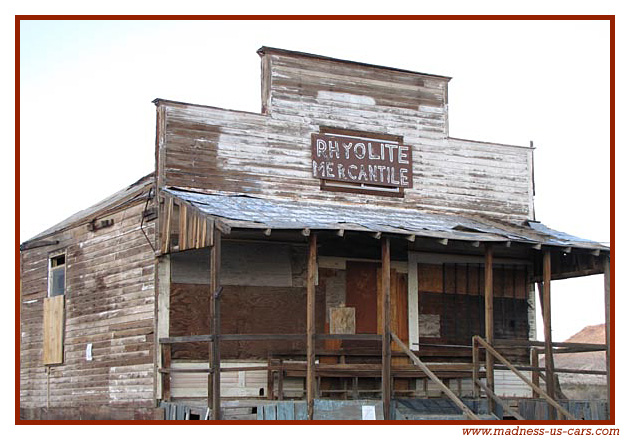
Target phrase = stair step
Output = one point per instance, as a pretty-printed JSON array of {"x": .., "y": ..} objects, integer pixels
[
  {"x": 440, "y": 409},
  {"x": 442, "y": 416}
]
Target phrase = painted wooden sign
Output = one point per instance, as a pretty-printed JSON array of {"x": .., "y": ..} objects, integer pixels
[{"x": 366, "y": 160}]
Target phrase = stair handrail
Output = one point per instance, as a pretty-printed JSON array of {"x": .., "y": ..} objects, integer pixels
[
  {"x": 524, "y": 378},
  {"x": 417, "y": 362},
  {"x": 500, "y": 401}
]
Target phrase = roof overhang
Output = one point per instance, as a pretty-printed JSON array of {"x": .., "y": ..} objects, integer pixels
[{"x": 230, "y": 211}]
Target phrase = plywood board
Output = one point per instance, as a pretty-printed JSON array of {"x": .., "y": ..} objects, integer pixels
[
  {"x": 342, "y": 321},
  {"x": 53, "y": 329},
  {"x": 361, "y": 294}
]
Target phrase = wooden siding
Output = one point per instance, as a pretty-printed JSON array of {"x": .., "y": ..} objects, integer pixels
[
  {"x": 214, "y": 149},
  {"x": 233, "y": 383},
  {"x": 270, "y": 155},
  {"x": 109, "y": 302}
]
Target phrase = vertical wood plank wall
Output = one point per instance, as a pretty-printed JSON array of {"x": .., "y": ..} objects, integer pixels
[
  {"x": 458, "y": 303},
  {"x": 111, "y": 305}
]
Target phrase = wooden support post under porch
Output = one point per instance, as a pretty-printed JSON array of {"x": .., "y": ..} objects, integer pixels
[
  {"x": 489, "y": 322},
  {"x": 546, "y": 310},
  {"x": 386, "y": 330},
  {"x": 214, "y": 380},
  {"x": 310, "y": 324},
  {"x": 607, "y": 312}
]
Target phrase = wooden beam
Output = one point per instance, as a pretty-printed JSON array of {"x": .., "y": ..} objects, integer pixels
[
  {"x": 475, "y": 367},
  {"x": 166, "y": 378},
  {"x": 386, "y": 330},
  {"x": 185, "y": 339},
  {"x": 310, "y": 324},
  {"x": 489, "y": 320},
  {"x": 500, "y": 401},
  {"x": 210, "y": 232},
  {"x": 223, "y": 227},
  {"x": 575, "y": 347},
  {"x": 546, "y": 306},
  {"x": 348, "y": 337},
  {"x": 535, "y": 373},
  {"x": 607, "y": 312},
  {"x": 557, "y": 370},
  {"x": 163, "y": 288},
  {"x": 204, "y": 231},
  {"x": 417, "y": 362},
  {"x": 166, "y": 238},
  {"x": 524, "y": 378},
  {"x": 215, "y": 317},
  {"x": 182, "y": 227}
]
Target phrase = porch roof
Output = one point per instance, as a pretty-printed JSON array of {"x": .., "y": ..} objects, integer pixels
[{"x": 247, "y": 212}]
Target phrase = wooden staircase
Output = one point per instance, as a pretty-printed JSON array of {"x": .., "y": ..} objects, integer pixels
[{"x": 440, "y": 409}]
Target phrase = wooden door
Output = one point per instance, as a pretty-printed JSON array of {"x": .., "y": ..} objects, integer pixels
[
  {"x": 364, "y": 293},
  {"x": 399, "y": 311},
  {"x": 361, "y": 293}
]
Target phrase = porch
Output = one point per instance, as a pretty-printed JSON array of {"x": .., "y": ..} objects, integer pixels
[{"x": 391, "y": 313}]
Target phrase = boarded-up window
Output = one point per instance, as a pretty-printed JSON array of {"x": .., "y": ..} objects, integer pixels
[
  {"x": 451, "y": 302},
  {"x": 53, "y": 329},
  {"x": 342, "y": 321},
  {"x": 54, "y": 310}
]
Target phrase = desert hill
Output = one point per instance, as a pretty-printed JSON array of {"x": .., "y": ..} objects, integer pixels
[{"x": 583, "y": 386}]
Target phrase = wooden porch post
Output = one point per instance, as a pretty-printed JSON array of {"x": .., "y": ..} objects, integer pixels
[
  {"x": 386, "y": 330},
  {"x": 489, "y": 306},
  {"x": 310, "y": 324},
  {"x": 546, "y": 309},
  {"x": 607, "y": 311},
  {"x": 215, "y": 324},
  {"x": 535, "y": 373}
]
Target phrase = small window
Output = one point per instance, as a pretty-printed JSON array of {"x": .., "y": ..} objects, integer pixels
[{"x": 57, "y": 275}]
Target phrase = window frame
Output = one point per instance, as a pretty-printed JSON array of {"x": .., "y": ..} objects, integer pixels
[{"x": 51, "y": 257}]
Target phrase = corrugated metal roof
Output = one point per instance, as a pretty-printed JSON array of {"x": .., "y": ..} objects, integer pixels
[{"x": 240, "y": 211}]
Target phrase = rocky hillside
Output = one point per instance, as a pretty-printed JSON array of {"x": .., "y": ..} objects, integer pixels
[{"x": 583, "y": 386}]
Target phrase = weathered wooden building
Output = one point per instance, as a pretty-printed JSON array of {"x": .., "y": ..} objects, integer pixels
[{"x": 336, "y": 255}]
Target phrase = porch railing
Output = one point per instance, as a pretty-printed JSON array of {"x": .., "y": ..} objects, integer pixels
[
  {"x": 417, "y": 362},
  {"x": 477, "y": 341}
]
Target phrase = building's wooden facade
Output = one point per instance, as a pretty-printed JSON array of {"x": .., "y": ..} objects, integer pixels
[{"x": 243, "y": 251}]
